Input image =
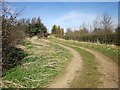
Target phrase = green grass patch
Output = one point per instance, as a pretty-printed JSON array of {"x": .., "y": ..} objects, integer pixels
[
  {"x": 35, "y": 71},
  {"x": 29, "y": 45}
]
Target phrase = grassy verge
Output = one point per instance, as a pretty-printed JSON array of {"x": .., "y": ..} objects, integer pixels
[
  {"x": 108, "y": 50},
  {"x": 90, "y": 75},
  {"x": 37, "y": 70}
]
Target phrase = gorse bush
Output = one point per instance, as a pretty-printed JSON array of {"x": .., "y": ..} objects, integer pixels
[
  {"x": 12, "y": 34},
  {"x": 11, "y": 58}
]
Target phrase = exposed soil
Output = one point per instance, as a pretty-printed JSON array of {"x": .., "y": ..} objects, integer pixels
[
  {"x": 70, "y": 71},
  {"x": 108, "y": 70}
]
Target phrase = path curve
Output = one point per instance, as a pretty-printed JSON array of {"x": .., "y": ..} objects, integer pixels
[
  {"x": 107, "y": 68},
  {"x": 70, "y": 71}
]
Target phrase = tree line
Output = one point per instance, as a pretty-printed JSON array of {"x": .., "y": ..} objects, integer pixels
[
  {"x": 102, "y": 32},
  {"x": 35, "y": 27},
  {"x": 57, "y": 31}
]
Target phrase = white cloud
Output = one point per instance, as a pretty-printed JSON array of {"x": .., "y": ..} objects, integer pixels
[
  {"x": 76, "y": 16},
  {"x": 74, "y": 19},
  {"x": 67, "y": 16}
]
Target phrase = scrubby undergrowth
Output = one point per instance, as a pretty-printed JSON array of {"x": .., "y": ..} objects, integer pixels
[{"x": 41, "y": 65}]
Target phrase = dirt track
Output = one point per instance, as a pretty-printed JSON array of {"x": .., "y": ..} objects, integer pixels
[
  {"x": 70, "y": 71},
  {"x": 106, "y": 67},
  {"x": 108, "y": 70}
]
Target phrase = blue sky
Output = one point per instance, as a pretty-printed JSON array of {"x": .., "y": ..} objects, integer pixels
[{"x": 67, "y": 14}]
